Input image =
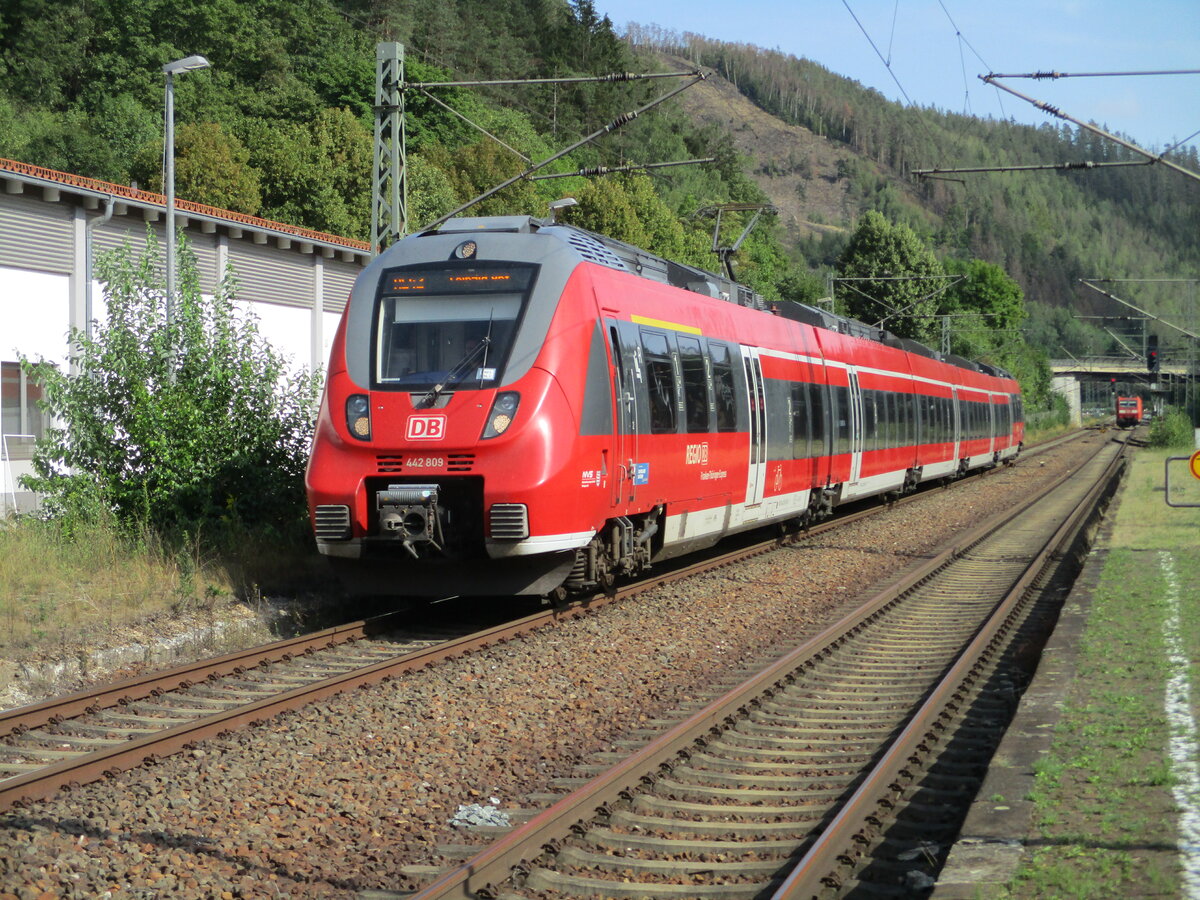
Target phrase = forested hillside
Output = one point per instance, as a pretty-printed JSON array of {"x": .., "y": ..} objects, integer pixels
[
  {"x": 281, "y": 127},
  {"x": 1045, "y": 229}
]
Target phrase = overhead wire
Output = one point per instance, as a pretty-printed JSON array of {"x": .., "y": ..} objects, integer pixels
[
  {"x": 892, "y": 37},
  {"x": 962, "y": 41},
  {"x": 887, "y": 64}
]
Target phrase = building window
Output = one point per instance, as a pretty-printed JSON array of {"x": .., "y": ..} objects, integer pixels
[{"x": 21, "y": 421}]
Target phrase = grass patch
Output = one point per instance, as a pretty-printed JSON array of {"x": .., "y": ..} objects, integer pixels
[
  {"x": 1105, "y": 823},
  {"x": 60, "y": 587}
]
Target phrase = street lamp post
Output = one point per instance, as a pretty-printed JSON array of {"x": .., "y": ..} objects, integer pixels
[{"x": 186, "y": 64}]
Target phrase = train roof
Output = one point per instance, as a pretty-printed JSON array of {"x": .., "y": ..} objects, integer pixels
[{"x": 614, "y": 254}]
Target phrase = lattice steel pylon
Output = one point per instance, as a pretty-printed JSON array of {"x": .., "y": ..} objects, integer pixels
[{"x": 389, "y": 176}]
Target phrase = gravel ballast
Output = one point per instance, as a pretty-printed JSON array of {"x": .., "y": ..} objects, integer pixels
[{"x": 338, "y": 797}]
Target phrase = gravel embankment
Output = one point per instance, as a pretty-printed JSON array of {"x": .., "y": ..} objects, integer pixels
[{"x": 338, "y": 797}]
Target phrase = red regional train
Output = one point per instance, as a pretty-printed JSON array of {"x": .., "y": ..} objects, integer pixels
[
  {"x": 1129, "y": 411},
  {"x": 515, "y": 406}
]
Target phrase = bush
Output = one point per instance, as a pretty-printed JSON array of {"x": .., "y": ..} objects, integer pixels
[
  {"x": 1056, "y": 416},
  {"x": 210, "y": 439},
  {"x": 1173, "y": 429}
]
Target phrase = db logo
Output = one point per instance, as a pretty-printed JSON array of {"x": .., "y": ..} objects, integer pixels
[{"x": 426, "y": 428}]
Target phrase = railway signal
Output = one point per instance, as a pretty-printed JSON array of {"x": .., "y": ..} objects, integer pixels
[{"x": 1152, "y": 354}]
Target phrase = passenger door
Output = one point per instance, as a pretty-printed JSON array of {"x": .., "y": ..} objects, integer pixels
[
  {"x": 956, "y": 424},
  {"x": 756, "y": 403},
  {"x": 625, "y": 423},
  {"x": 856, "y": 426}
]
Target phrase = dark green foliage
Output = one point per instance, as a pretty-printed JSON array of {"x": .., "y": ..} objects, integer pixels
[
  {"x": 1047, "y": 230},
  {"x": 281, "y": 126},
  {"x": 211, "y": 439},
  {"x": 210, "y": 166},
  {"x": 1172, "y": 429}
]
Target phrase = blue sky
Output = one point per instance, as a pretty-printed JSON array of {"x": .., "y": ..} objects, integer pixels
[{"x": 928, "y": 58}]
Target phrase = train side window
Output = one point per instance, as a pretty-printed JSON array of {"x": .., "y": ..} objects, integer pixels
[
  {"x": 801, "y": 430},
  {"x": 880, "y": 427},
  {"x": 896, "y": 405},
  {"x": 898, "y": 421},
  {"x": 660, "y": 382},
  {"x": 870, "y": 421},
  {"x": 695, "y": 385},
  {"x": 842, "y": 395},
  {"x": 837, "y": 420},
  {"x": 817, "y": 413},
  {"x": 881, "y": 421},
  {"x": 723, "y": 387},
  {"x": 889, "y": 417}
]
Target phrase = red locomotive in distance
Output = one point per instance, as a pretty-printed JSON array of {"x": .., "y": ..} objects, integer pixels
[
  {"x": 518, "y": 406},
  {"x": 1129, "y": 411}
]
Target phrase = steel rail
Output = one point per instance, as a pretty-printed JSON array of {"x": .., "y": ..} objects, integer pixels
[
  {"x": 843, "y": 843},
  {"x": 109, "y": 761},
  {"x": 22, "y": 789},
  {"x": 482, "y": 875},
  {"x": 48, "y": 712}
]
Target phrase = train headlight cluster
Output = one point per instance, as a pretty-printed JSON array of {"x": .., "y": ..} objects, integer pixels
[
  {"x": 358, "y": 416},
  {"x": 503, "y": 410}
]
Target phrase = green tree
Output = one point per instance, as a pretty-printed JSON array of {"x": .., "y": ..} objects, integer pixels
[
  {"x": 211, "y": 167},
  {"x": 182, "y": 430},
  {"x": 314, "y": 174},
  {"x": 430, "y": 194},
  {"x": 985, "y": 289},
  {"x": 897, "y": 272}
]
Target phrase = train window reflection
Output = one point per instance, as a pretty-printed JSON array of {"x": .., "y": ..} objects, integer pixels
[
  {"x": 421, "y": 338},
  {"x": 660, "y": 382},
  {"x": 723, "y": 387},
  {"x": 695, "y": 384}
]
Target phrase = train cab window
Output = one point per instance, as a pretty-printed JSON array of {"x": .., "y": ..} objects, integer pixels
[
  {"x": 695, "y": 385},
  {"x": 432, "y": 321},
  {"x": 723, "y": 387},
  {"x": 660, "y": 382}
]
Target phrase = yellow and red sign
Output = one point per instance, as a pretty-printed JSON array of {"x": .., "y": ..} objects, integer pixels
[{"x": 1194, "y": 464}]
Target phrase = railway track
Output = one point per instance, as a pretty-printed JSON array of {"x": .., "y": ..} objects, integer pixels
[
  {"x": 72, "y": 740},
  {"x": 841, "y": 763}
]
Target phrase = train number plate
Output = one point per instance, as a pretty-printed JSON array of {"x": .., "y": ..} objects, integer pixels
[{"x": 425, "y": 462}]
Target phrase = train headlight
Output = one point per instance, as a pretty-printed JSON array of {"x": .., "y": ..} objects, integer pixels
[
  {"x": 504, "y": 408},
  {"x": 358, "y": 416}
]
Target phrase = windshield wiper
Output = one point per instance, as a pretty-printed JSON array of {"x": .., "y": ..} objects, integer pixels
[{"x": 455, "y": 375}]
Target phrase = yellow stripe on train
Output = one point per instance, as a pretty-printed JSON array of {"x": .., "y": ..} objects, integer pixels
[{"x": 659, "y": 323}]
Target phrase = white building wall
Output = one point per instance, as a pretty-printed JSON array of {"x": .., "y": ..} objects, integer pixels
[
  {"x": 34, "y": 317},
  {"x": 1068, "y": 386},
  {"x": 295, "y": 282}
]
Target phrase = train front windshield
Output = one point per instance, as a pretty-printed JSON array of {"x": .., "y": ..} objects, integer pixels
[{"x": 432, "y": 322}]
